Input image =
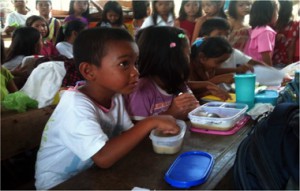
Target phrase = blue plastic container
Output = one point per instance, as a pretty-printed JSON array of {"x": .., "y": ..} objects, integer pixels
[
  {"x": 267, "y": 96},
  {"x": 190, "y": 169}
]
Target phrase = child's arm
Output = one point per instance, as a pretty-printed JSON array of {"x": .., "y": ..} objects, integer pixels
[
  {"x": 119, "y": 146},
  {"x": 197, "y": 28},
  {"x": 223, "y": 78},
  {"x": 182, "y": 105},
  {"x": 208, "y": 86},
  {"x": 267, "y": 58},
  {"x": 11, "y": 86}
]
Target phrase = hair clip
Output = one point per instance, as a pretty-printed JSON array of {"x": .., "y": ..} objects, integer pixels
[
  {"x": 172, "y": 44},
  {"x": 181, "y": 35},
  {"x": 198, "y": 42}
]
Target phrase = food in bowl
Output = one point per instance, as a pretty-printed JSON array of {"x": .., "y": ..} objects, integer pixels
[{"x": 167, "y": 143}]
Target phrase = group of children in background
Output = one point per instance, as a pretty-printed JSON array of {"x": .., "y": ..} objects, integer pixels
[{"x": 152, "y": 75}]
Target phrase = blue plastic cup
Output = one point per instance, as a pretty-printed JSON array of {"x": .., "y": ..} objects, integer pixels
[{"x": 245, "y": 88}]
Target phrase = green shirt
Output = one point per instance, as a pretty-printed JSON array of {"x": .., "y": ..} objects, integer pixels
[{"x": 6, "y": 76}]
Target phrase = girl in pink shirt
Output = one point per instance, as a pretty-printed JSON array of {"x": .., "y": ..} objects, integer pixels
[{"x": 260, "y": 45}]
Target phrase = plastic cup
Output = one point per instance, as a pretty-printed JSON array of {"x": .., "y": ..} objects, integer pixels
[{"x": 245, "y": 88}]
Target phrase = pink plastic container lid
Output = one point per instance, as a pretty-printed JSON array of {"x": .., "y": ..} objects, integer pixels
[{"x": 241, "y": 123}]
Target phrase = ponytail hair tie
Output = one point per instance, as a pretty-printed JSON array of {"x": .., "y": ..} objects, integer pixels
[
  {"x": 181, "y": 35},
  {"x": 198, "y": 42},
  {"x": 172, "y": 44}
]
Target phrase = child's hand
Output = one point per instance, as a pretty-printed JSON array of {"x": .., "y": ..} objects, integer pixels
[
  {"x": 182, "y": 105},
  {"x": 219, "y": 92},
  {"x": 244, "y": 68},
  {"x": 167, "y": 124}
]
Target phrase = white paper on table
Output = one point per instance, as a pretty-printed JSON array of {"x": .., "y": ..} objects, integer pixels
[{"x": 268, "y": 76}]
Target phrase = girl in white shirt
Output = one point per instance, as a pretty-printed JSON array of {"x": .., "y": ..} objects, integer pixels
[
  {"x": 67, "y": 35},
  {"x": 18, "y": 17},
  {"x": 162, "y": 14}
]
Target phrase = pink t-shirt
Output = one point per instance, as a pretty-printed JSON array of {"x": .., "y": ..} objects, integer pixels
[{"x": 262, "y": 39}]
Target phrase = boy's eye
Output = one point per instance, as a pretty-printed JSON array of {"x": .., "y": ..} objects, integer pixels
[{"x": 124, "y": 64}]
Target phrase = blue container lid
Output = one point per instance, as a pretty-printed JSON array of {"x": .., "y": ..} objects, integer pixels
[
  {"x": 190, "y": 169},
  {"x": 267, "y": 94}
]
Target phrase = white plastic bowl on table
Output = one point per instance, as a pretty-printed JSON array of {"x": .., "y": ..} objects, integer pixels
[{"x": 169, "y": 144}]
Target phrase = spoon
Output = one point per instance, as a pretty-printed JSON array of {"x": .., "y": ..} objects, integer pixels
[{"x": 206, "y": 114}]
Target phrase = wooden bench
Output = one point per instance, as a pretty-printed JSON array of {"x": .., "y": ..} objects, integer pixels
[{"x": 20, "y": 139}]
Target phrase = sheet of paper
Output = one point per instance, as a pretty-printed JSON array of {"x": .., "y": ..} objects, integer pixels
[{"x": 268, "y": 76}]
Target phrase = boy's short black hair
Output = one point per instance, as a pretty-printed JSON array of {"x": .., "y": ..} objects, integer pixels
[
  {"x": 91, "y": 44},
  {"x": 37, "y": 1},
  {"x": 212, "y": 24}
]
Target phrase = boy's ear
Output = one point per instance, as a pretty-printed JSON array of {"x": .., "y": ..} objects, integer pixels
[{"x": 87, "y": 71}]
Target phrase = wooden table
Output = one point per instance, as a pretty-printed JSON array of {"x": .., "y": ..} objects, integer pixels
[{"x": 144, "y": 168}]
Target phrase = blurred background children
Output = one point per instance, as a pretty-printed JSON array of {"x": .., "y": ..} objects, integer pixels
[
  {"x": 112, "y": 15},
  {"x": 164, "y": 69},
  {"x": 162, "y": 14},
  {"x": 287, "y": 34},
  {"x": 189, "y": 11},
  {"x": 207, "y": 55},
  {"x": 18, "y": 17},
  {"x": 38, "y": 22},
  {"x": 79, "y": 10},
  {"x": 7, "y": 84},
  {"x": 263, "y": 16},
  {"x": 44, "y": 7},
  {"x": 141, "y": 10},
  {"x": 26, "y": 41},
  {"x": 239, "y": 33},
  {"x": 210, "y": 9},
  {"x": 90, "y": 124},
  {"x": 67, "y": 35}
]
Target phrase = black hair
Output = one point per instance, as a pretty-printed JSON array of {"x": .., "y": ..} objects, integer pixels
[
  {"x": 232, "y": 9},
  {"x": 162, "y": 55},
  {"x": 155, "y": 13},
  {"x": 139, "y": 9},
  {"x": 2, "y": 51},
  {"x": 67, "y": 29},
  {"x": 211, "y": 47},
  {"x": 71, "y": 9},
  {"x": 220, "y": 5},
  {"x": 37, "y": 1},
  {"x": 91, "y": 44},
  {"x": 24, "y": 41},
  {"x": 261, "y": 13},
  {"x": 182, "y": 13},
  {"x": 285, "y": 14},
  {"x": 115, "y": 7},
  {"x": 30, "y": 20},
  {"x": 212, "y": 24}
]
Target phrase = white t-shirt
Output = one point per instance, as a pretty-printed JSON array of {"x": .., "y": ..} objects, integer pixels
[
  {"x": 160, "y": 22},
  {"x": 65, "y": 48},
  {"x": 77, "y": 129},
  {"x": 15, "y": 17},
  {"x": 13, "y": 63},
  {"x": 237, "y": 57}
]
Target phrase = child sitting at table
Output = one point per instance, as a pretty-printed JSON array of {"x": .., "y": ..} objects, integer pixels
[
  {"x": 163, "y": 66},
  {"x": 112, "y": 15},
  {"x": 44, "y": 7},
  {"x": 90, "y": 124},
  {"x": 238, "y": 62},
  {"x": 207, "y": 55},
  {"x": 38, "y": 22},
  {"x": 17, "y": 18}
]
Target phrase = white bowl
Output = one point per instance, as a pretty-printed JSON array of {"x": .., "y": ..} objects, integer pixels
[{"x": 169, "y": 144}]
